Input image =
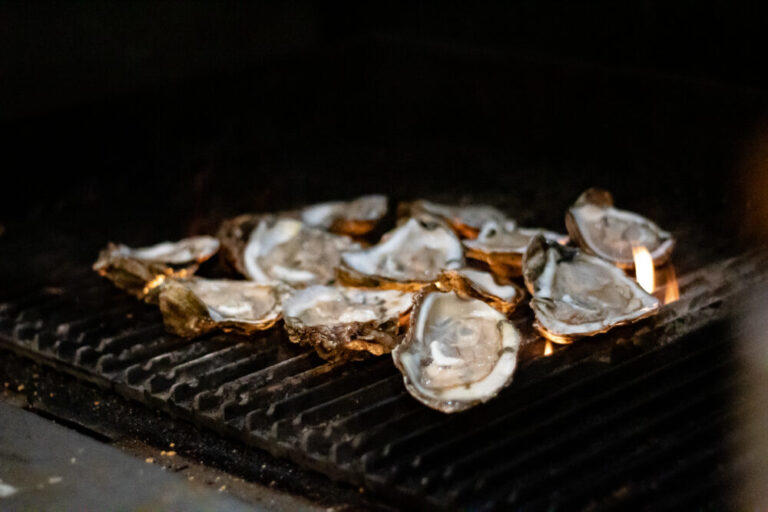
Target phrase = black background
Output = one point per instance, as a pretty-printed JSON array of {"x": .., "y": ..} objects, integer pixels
[{"x": 137, "y": 122}]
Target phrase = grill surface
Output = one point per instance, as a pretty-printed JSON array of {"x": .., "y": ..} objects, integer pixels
[{"x": 620, "y": 419}]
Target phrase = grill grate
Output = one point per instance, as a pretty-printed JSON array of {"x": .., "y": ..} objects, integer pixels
[{"x": 619, "y": 419}]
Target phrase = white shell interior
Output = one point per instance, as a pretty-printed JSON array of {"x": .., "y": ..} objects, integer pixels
[
  {"x": 460, "y": 350},
  {"x": 332, "y": 305},
  {"x": 188, "y": 250},
  {"x": 485, "y": 282},
  {"x": 365, "y": 208},
  {"x": 474, "y": 216},
  {"x": 240, "y": 301},
  {"x": 497, "y": 238},
  {"x": 410, "y": 252}
]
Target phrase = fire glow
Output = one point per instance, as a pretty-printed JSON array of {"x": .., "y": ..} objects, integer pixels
[{"x": 645, "y": 275}]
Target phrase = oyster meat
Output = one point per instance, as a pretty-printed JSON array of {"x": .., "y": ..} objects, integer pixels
[
  {"x": 458, "y": 351},
  {"x": 600, "y": 229},
  {"x": 482, "y": 285},
  {"x": 346, "y": 323},
  {"x": 502, "y": 247},
  {"x": 195, "y": 306},
  {"x": 408, "y": 257},
  {"x": 466, "y": 221},
  {"x": 284, "y": 250},
  {"x": 140, "y": 271},
  {"x": 353, "y": 218},
  {"x": 576, "y": 294}
]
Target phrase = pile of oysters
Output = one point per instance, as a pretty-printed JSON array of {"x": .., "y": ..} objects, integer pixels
[{"x": 437, "y": 291}]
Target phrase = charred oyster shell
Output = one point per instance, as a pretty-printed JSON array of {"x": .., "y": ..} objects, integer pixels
[
  {"x": 352, "y": 218},
  {"x": 502, "y": 247},
  {"x": 458, "y": 352},
  {"x": 482, "y": 285},
  {"x": 192, "y": 307},
  {"x": 140, "y": 271},
  {"x": 604, "y": 231},
  {"x": 466, "y": 221},
  {"x": 346, "y": 323},
  {"x": 576, "y": 294},
  {"x": 280, "y": 249},
  {"x": 407, "y": 258}
]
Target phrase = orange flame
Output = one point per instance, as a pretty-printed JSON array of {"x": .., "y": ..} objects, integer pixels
[
  {"x": 644, "y": 271},
  {"x": 672, "y": 290},
  {"x": 548, "y": 348}
]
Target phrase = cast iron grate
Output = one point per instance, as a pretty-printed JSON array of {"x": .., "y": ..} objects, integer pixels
[{"x": 619, "y": 420}]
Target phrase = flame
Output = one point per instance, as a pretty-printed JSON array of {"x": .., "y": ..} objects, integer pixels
[
  {"x": 672, "y": 290},
  {"x": 548, "y": 348},
  {"x": 154, "y": 283},
  {"x": 644, "y": 271}
]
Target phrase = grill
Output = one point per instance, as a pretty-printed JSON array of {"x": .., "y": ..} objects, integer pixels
[{"x": 626, "y": 418}]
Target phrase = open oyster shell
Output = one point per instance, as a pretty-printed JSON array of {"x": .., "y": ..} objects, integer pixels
[
  {"x": 502, "y": 247},
  {"x": 353, "y": 218},
  {"x": 407, "y": 258},
  {"x": 482, "y": 285},
  {"x": 192, "y": 307},
  {"x": 140, "y": 271},
  {"x": 458, "y": 352},
  {"x": 600, "y": 229},
  {"x": 466, "y": 221},
  {"x": 576, "y": 294},
  {"x": 346, "y": 323},
  {"x": 271, "y": 249}
]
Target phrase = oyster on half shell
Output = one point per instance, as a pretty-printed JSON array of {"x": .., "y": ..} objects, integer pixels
[
  {"x": 502, "y": 247},
  {"x": 353, "y": 218},
  {"x": 346, "y": 323},
  {"x": 280, "y": 249},
  {"x": 458, "y": 351},
  {"x": 140, "y": 271},
  {"x": 482, "y": 285},
  {"x": 610, "y": 233},
  {"x": 576, "y": 294},
  {"x": 192, "y": 307},
  {"x": 466, "y": 221},
  {"x": 407, "y": 258}
]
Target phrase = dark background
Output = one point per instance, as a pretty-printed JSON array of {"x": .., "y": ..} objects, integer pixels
[{"x": 137, "y": 122}]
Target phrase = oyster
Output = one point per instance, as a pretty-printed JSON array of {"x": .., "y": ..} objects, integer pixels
[
  {"x": 346, "y": 323},
  {"x": 482, "y": 285},
  {"x": 466, "y": 221},
  {"x": 408, "y": 257},
  {"x": 353, "y": 218},
  {"x": 140, "y": 271},
  {"x": 600, "y": 229},
  {"x": 576, "y": 294},
  {"x": 458, "y": 352},
  {"x": 279, "y": 249},
  {"x": 502, "y": 247},
  {"x": 192, "y": 307}
]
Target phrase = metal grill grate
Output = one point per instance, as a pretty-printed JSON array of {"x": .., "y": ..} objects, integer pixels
[{"x": 619, "y": 419}]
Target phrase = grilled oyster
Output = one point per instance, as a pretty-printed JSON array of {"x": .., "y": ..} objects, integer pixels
[
  {"x": 576, "y": 294},
  {"x": 466, "y": 221},
  {"x": 140, "y": 271},
  {"x": 353, "y": 218},
  {"x": 458, "y": 352},
  {"x": 482, "y": 285},
  {"x": 600, "y": 229},
  {"x": 279, "y": 249},
  {"x": 502, "y": 247},
  {"x": 192, "y": 307},
  {"x": 407, "y": 258},
  {"x": 346, "y": 323}
]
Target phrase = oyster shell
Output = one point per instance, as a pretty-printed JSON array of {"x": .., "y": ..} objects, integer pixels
[
  {"x": 458, "y": 352},
  {"x": 353, "y": 218},
  {"x": 279, "y": 249},
  {"x": 502, "y": 247},
  {"x": 192, "y": 307},
  {"x": 140, "y": 271},
  {"x": 576, "y": 294},
  {"x": 600, "y": 229},
  {"x": 408, "y": 257},
  {"x": 346, "y": 323},
  {"x": 466, "y": 221},
  {"x": 482, "y": 285}
]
